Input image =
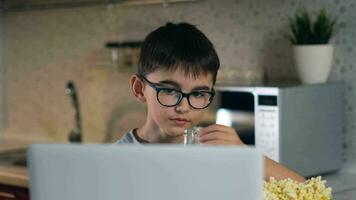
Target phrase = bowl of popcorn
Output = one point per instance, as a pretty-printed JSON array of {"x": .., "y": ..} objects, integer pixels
[{"x": 288, "y": 189}]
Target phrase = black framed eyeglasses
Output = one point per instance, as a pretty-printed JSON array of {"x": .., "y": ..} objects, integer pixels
[{"x": 171, "y": 97}]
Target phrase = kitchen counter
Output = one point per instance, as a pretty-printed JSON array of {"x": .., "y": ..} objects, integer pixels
[
  {"x": 343, "y": 184},
  {"x": 14, "y": 176},
  {"x": 10, "y": 174}
]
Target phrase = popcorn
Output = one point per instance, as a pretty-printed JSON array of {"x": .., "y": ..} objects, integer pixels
[{"x": 288, "y": 189}]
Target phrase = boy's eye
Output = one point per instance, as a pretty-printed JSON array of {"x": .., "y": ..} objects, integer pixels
[
  {"x": 169, "y": 91},
  {"x": 198, "y": 94}
]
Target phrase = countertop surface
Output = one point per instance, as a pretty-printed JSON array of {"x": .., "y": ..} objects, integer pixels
[
  {"x": 14, "y": 176},
  {"x": 343, "y": 183},
  {"x": 11, "y": 174}
]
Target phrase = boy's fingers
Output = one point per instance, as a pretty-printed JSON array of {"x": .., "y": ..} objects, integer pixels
[
  {"x": 212, "y": 136},
  {"x": 214, "y": 127},
  {"x": 217, "y": 136},
  {"x": 216, "y": 142}
]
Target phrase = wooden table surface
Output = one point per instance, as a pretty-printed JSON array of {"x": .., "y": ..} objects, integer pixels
[{"x": 14, "y": 176}]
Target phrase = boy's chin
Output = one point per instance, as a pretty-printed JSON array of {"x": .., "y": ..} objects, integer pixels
[{"x": 175, "y": 131}]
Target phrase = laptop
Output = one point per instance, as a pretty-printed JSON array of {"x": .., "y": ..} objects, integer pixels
[{"x": 144, "y": 172}]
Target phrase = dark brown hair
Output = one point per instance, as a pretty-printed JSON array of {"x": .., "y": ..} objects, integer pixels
[{"x": 178, "y": 46}]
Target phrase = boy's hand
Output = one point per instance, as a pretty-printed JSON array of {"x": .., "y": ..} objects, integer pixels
[{"x": 219, "y": 134}]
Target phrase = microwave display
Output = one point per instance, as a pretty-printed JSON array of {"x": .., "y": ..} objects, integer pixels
[{"x": 267, "y": 100}]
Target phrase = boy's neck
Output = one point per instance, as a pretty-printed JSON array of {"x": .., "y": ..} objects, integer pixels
[{"x": 153, "y": 135}]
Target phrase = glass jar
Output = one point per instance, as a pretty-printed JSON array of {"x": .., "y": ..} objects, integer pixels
[{"x": 191, "y": 136}]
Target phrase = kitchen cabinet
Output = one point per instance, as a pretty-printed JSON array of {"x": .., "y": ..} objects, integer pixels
[{"x": 8, "y": 192}]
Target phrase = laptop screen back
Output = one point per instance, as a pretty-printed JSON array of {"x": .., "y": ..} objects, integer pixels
[{"x": 145, "y": 172}]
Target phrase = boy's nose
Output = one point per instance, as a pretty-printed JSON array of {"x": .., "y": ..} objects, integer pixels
[{"x": 183, "y": 105}]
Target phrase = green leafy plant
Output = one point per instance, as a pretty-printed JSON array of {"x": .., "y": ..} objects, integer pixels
[{"x": 306, "y": 31}]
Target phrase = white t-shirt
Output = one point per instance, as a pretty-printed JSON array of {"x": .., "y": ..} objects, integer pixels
[{"x": 128, "y": 138}]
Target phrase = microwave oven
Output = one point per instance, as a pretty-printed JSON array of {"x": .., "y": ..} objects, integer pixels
[{"x": 297, "y": 126}]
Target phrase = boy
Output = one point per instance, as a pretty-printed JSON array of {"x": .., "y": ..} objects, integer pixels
[{"x": 177, "y": 71}]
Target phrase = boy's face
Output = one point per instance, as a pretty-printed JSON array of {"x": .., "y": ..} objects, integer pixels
[{"x": 172, "y": 121}]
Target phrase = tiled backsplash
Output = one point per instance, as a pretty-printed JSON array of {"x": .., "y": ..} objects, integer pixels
[{"x": 46, "y": 48}]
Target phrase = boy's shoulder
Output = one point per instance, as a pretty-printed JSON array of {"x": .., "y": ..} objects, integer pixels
[{"x": 128, "y": 138}]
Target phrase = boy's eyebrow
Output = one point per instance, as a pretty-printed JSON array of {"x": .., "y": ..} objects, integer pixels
[
  {"x": 177, "y": 85},
  {"x": 169, "y": 82}
]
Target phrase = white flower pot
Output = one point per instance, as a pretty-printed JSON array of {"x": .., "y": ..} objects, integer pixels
[{"x": 313, "y": 62}]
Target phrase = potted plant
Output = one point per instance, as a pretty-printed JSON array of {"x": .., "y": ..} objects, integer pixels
[{"x": 313, "y": 55}]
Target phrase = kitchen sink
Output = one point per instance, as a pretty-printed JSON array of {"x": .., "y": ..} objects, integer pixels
[{"x": 16, "y": 157}]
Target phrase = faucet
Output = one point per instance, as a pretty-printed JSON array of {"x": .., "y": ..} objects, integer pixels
[{"x": 76, "y": 133}]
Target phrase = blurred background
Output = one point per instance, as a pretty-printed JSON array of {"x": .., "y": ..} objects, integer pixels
[{"x": 45, "y": 44}]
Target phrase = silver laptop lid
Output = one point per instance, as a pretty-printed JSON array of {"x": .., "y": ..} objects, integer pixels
[{"x": 145, "y": 172}]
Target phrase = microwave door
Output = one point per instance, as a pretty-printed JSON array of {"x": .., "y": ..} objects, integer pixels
[
  {"x": 237, "y": 111},
  {"x": 243, "y": 122}
]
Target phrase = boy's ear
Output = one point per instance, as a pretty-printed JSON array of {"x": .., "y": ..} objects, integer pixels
[{"x": 137, "y": 87}]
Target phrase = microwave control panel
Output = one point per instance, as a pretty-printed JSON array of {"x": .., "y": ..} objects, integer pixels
[{"x": 267, "y": 122}]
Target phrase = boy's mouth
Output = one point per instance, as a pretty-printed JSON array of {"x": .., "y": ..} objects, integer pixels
[{"x": 180, "y": 121}]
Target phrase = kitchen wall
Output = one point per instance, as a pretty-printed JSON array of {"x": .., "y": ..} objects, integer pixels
[{"x": 46, "y": 48}]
